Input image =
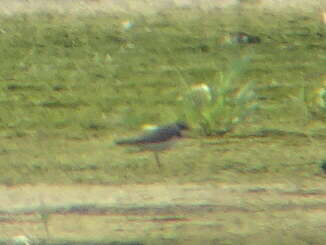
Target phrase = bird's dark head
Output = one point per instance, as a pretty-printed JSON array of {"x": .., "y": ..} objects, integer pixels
[
  {"x": 323, "y": 166},
  {"x": 182, "y": 126}
]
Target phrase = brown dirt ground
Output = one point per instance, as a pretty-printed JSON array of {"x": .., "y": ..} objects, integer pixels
[
  {"x": 9, "y": 7},
  {"x": 163, "y": 210}
]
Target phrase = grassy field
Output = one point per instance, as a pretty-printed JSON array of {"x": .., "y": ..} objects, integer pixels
[{"x": 73, "y": 82}]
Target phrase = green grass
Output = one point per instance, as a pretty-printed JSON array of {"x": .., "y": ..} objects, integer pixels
[
  {"x": 52, "y": 66},
  {"x": 71, "y": 84}
]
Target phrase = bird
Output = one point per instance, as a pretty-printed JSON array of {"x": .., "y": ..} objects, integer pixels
[
  {"x": 323, "y": 166},
  {"x": 157, "y": 139},
  {"x": 242, "y": 37}
]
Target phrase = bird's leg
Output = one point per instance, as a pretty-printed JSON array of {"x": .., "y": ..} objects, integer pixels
[{"x": 157, "y": 159}]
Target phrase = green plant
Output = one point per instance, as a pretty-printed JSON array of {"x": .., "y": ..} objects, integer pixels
[
  {"x": 317, "y": 106},
  {"x": 313, "y": 101},
  {"x": 218, "y": 108}
]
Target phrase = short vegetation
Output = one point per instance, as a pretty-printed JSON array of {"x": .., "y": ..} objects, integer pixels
[{"x": 71, "y": 83}]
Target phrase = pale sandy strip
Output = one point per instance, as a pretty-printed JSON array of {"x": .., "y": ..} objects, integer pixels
[
  {"x": 9, "y": 7},
  {"x": 29, "y": 196}
]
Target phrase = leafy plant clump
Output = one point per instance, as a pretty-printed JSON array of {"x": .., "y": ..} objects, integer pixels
[
  {"x": 217, "y": 108},
  {"x": 315, "y": 102}
]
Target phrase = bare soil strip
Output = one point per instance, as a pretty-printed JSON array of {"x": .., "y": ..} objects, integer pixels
[
  {"x": 129, "y": 197},
  {"x": 190, "y": 211},
  {"x": 10, "y": 7}
]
